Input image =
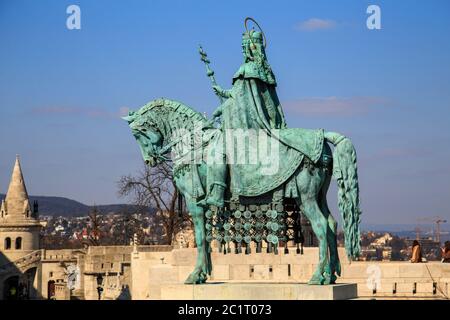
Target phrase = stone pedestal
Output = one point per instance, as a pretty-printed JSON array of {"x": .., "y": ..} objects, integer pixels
[
  {"x": 257, "y": 291},
  {"x": 153, "y": 270}
]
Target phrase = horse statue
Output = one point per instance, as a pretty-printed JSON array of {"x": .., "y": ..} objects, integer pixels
[{"x": 244, "y": 181}]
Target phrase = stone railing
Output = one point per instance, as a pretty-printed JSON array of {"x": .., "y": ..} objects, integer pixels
[
  {"x": 62, "y": 292},
  {"x": 155, "y": 248},
  {"x": 105, "y": 267},
  {"x": 60, "y": 255},
  {"x": 22, "y": 263},
  {"x": 375, "y": 279}
]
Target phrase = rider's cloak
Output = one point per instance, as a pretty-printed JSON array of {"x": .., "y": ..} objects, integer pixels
[{"x": 253, "y": 104}]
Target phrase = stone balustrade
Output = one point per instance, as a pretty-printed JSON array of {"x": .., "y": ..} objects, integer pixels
[
  {"x": 22, "y": 263},
  {"x": 62, "y": 292},
  {"x": 375, "y": 279}
]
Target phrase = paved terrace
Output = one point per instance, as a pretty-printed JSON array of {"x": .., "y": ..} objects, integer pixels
[{"x": 375, "y": 279}]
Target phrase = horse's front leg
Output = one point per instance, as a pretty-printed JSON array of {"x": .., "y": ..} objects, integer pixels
[{"x": 203, "y": 263}]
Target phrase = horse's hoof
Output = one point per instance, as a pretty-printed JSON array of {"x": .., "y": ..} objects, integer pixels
[
  {"x": 190, "y": 280},
  {"x": 330, "y": 279},
  {"x": 338, "y": 269},
  {"x": 316, "y": 281},
  {"x": 196, "y": 278}
]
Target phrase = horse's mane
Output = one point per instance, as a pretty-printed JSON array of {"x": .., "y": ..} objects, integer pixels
[{"x": 169, "y": 114}]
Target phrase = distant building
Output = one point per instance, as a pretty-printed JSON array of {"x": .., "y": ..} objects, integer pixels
[
  {"x": 386, "y": 253},
  {"x": 19, "y": 238},
  {"x": 382, "y": 241},
  {"x": 29, "y": 272}
]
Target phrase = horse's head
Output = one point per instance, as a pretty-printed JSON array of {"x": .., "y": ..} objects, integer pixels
[
  {"x": 162, "y": 125},
  {"x": 148, "y": 136}
]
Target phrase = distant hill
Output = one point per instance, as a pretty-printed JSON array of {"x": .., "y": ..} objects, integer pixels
[
  {"x": 59, "y": 206},
  {"x": 426, "y": 227},
  {"x": 409, "y": 230}
]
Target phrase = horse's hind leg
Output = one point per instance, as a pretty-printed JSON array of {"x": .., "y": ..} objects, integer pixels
[
  {"x": 334, "y": 265},
  {"x": 309, "y": 185},
  {"x": 312, "y": 211}
]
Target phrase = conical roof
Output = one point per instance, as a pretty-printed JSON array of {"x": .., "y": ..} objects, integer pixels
[{"x": 17, "y": 202}]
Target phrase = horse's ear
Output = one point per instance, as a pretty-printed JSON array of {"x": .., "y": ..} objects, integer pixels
[{"x": 130, "y": 117}]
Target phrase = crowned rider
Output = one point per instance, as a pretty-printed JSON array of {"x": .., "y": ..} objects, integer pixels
[{"x": 251, "y": 103}]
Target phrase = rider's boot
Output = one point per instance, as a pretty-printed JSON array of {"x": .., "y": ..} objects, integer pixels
[{"x": 215, "y": 198}]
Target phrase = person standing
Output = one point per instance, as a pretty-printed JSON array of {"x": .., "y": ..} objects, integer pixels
[
  {"x": 416, "y": 252},
  {"x": 446, "y": 252}
]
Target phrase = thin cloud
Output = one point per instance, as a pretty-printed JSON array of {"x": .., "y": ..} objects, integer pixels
[
  {"x": 333, "y": 106},
  {"x": 55, "y": 110},
  {"x": 315, "y": 24},
  {"x": 83, "y": 112},
  {"x": 401, "y": 152}
]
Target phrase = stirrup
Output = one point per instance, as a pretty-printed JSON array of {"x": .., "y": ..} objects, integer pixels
[{"x": 215, "y": 202}]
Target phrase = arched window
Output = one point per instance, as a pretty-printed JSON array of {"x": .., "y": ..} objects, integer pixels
[
  {"x": 8, "y": 243},
  {"x": 18, "y": 243}
]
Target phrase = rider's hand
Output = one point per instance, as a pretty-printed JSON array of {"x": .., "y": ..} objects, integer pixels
[
  {"x": 217, "y": 113},
  {"x": 209, "y": 124},
  {"x": 217, "y": 90}
]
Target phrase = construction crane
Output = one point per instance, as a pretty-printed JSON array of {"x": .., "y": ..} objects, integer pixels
[
  {"x": 438, "y": 229},
  {"x": 418, "y": 231},
  {"x": 437, "y": 221}
]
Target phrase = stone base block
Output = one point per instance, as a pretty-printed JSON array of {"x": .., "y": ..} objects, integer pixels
[{"x": 257, "y": 291}]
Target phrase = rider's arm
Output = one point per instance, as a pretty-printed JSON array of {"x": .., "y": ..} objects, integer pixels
[
  {"x": 221, "y": 92},
  {"x": 218, "y": 112}
]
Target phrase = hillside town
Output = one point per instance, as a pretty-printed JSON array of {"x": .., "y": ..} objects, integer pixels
[
  {"x": 119, "y": 229},
  {"x": 105, "y": 229}
]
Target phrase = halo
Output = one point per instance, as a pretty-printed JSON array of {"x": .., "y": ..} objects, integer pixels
[{"x": 260, "y": 29}]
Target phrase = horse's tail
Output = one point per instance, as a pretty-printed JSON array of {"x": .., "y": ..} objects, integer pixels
[{"x": 346, "y": 173}]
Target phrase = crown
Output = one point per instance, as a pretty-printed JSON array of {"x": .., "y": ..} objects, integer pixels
[{"x": 254, "y": 36}]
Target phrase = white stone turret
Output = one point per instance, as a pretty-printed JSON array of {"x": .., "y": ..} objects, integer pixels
[
  {"x": 19, "y": 226},
  {"x": 16, "y": 206}
]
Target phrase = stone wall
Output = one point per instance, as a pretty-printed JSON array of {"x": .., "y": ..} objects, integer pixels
[
  {"x": 53, "y": 269},
  {"x": 139, "y": 272},
  {"x": 113, "y": 264},
  {"x": 29, "y": 242},
  {"x": 152, "y": 270}
]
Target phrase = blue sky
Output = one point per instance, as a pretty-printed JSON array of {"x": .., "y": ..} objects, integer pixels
[{"x": 62, "y": 91}]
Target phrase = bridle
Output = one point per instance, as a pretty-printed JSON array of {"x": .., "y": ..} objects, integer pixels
[{"x": 160, "y": 154}]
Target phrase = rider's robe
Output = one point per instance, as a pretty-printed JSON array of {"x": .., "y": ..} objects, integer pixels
[{"x": 254, "y": 104}]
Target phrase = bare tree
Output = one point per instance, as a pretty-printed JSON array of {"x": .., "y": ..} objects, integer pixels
[
  {"x": 154, "y": 187},
  {"x": 94, "y": 233}
]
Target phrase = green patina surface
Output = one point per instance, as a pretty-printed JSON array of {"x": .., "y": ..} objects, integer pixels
[{"x": 237, "y": 201}]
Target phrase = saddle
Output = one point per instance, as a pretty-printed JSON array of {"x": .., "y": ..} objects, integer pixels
[
  {"x": 260, "y": 207},
  {"x": 275, "y": 164}
]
